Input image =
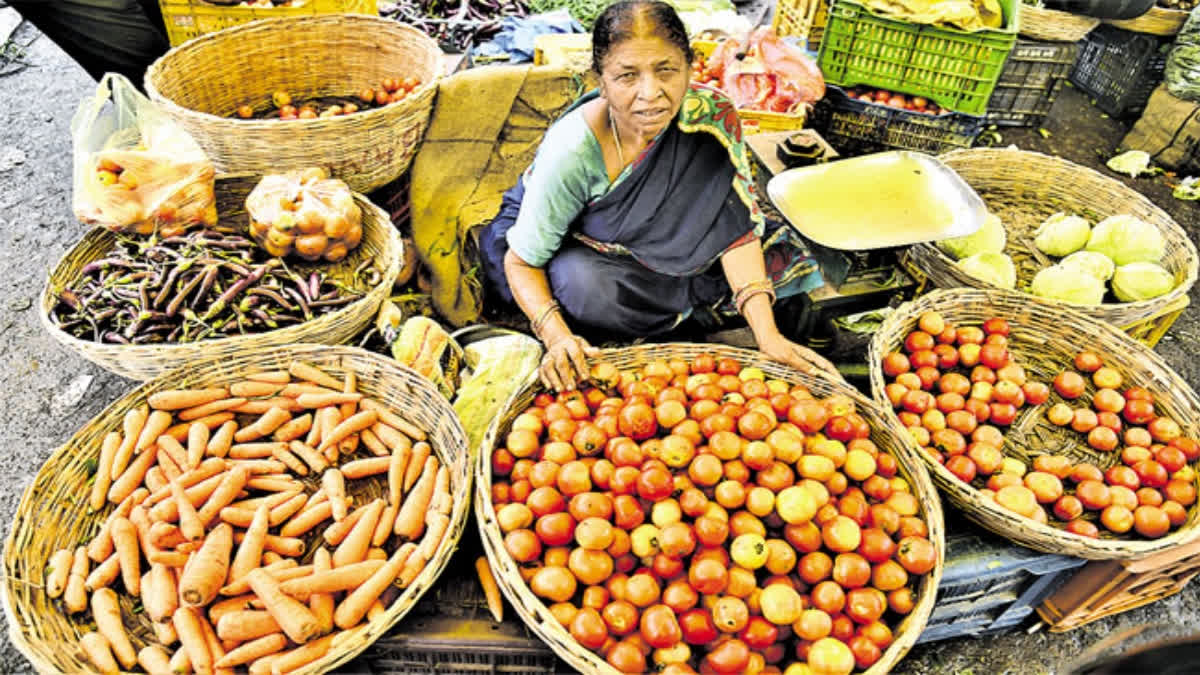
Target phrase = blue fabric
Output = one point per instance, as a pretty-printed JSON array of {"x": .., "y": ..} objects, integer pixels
[{"x": 515, "y": 39}]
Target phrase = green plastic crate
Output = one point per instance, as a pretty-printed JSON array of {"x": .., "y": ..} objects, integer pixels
[{"x": 955, "y": 68}]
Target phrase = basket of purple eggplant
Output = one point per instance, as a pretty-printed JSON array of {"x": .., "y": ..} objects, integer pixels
[{"x": 140, "y": 306}]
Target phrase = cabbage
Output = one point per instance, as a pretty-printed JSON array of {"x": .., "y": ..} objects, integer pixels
[
  {"x": 1141, "y": 281},
  {"x": 990, "y": 237},
  {"x": 1133, "y": 163},
  {"x": 1126, "y": 240},
  {"x": 996, "y": 269},
  {"x": 1061, "y": 234},
  {"x": 1068, "y": 284},
  {"x": 1095, "y": 264}
]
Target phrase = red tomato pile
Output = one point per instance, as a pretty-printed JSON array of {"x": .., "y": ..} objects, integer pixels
[
  {"x": 892, "y": 99},
  {"x": 698, "y": 517},
  {"x": 979, "y": 389},
  {"x": 390, "y": 90}
]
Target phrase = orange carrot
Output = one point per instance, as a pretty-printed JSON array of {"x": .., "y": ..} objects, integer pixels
[
  {"x": 304, "y": 371},
  {"x": 335, "y": 533},
  {"x": 349, "y": 444},
  {"x": 125, "y": 539},
  {"x": 271, "y": 376},
  {"x": 197, "y": 444},
  {"x": 154, "y": 660},
  {"x": 296, "y": 389},
  {"x": 355, "y": 605},
  {"x": 321, "y": 400},
  {"x": 262, "y": 405},
  {"x": 231, "y": 484},
  {"x": 271, "y": 500},
  {"x": 288, "y": 546},
  {"x": 301, "y": 656},
  {"x": 287, "y": 509},
  {"x": 215, "y": 650},
  {"x": 167, "y": 466},
  {"x": 164, "y": 632},
  {"x": 375, "y": 609},
  {"x": 220, "y": 608},
  {"x": 264, "y": 425},
  {"x": 166, "y": 535},
  {"x": 254, "y": 450},
  {"x": 191, "y": 635},
  {"x": 180, "y": 663},
  {"x": 295, "y": 428},
  {"x": 321, "y": 604},
  {"x": 270, "y": 484},
  {"x": 96, "y": 647},
  {"x": 335, "y": 486},
  {"x": 293, "y": 463},
  {"x": 131, "y": 429},
  {"x": 314, "y": 432},
  {"x": 329, "y": 580},
  {"x": 208, "y": 468},
  {"x": 396, "y": 471},
  {"x": 210, "y": 408},
  {"x": 101, "y": 545},
  {"x": 250, "y": 550},
  {"x": 104, "y": 574},
  {"x": 354, "y": 424},
  {"x": 196, "y": 494},
  {"x": 133, "y": 476},
  {"x": 416, "y": 465},
  {"x": 162, "y": 599},
  {"x": 107, "y": 614},
  {"x": 392, "y": 419},
  {"x": 281, "y": 570},
  {"x": 383, "y": 529},
  {"x": 354, "y": 547},
  {"x": 307, "y": 519},
  {"x": 443, "y": 500},
  {"x": 252, "y": 389},
  {"x": 390, "y": 437},
  {"x": 103, "y": 476},
  {"x": 189, "y": 520},
  {"x": 412, "y": 568},
  {"x": 375, "y": 553},
  {"x": 295, "y": 619},
  {"x": 264, "y": 468},
  {"x": 410, "y": 521},
  {"x": 491, "y": 590},
  {"x": 178, "y": 399},
  {"x": 155, "y": 480},
  {"x": 175, "y": 450},
  {"x": 222, "y": 439},
  {"x": 58, "y": 571},
  {"x": 205, "y": 574},
  {"x": 310, "y": 456},
  {"x": 436, "y": 525},
  {"x": 156, "y": 424},
  {"x": 180, "y": 431},
  {"x": 373, "y": 443},
  {"x": 361, "y": 468},
  {"x": 254, "y": 649}
]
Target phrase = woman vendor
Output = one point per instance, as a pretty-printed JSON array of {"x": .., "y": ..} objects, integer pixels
[{"x": 634, "y": 196}]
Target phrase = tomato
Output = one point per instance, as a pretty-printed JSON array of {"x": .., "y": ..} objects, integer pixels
[
  {"x": 902, "y": 600},
  {"x": 1137, "y": 411},
  {"x": 680, "y": 596},
  {"x": 865, "y": 605},
  {"x": 697, "y": 627},
  {"x": 642, "y": 590},
  {"x": 555, "y": 529},
  {"x": 553, "y": 583},
  {"x": 626, "y": 658},
  {"x": 523, "y": 545},
  {"x": 711, "y": 531},
  {"x": 655, "y": 484},
  {"x": 809, "y": 415},
  {"x": 876, "y": 545},
  {"x": 1069, "y": 384},
  {"x": 865, "y": 652},
  {"x": 621, "y": 617},
  {"x": 730, "y": 614},
  {"x": 588, "y": 628},
  {"x": 729, "y": 657},
  {"x": 916, "y": 554},
  {"x": 828, "y": 597},
  {"x": 627, "y": 512},
  {"x": 637, "y": 421},
  {"x": 590, "y": 567},
  {"x": 659, "y": 627},
  {"x": 830, "y": 656}
]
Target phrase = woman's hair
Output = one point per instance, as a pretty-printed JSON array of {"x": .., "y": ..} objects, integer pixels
[{"x": 616, "y": 25}]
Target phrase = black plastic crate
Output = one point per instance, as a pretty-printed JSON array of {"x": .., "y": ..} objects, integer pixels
[
  {"x": 989, "y": 584},
  {"x": 1120, "y": 69},
  {"x": 1030, "y": 81},
  {"x": 855, "y": 127}
]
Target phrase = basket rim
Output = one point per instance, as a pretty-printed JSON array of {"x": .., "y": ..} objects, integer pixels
[
  {"x": 931, "y": 507},
  {"x": 413, "y": 100},
  {"x": 966, "y": 497},
  {"x": 432, "y": 570},
  {"x": 80, "y": 346}
]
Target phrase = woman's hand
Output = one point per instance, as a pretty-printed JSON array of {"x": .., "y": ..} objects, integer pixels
[
  {"x": 564, "y": 365},
  {"x": 803, "y": 359}
]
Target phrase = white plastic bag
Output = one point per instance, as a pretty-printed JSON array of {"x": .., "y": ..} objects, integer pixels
[{"x": 136, "y": 171}]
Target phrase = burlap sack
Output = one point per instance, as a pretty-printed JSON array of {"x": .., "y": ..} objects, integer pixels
[{"x": 1169, "y": 130}]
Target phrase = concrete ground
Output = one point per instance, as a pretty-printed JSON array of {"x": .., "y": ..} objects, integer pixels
[{"x": 54, "y": 392}]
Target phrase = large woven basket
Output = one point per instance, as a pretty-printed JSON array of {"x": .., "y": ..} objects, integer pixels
[
  {"x": 885, "y": 432},
  {"x": 1044, "y": 340},
  {"x": 380, "y": 243},
  {"x": 1157, "y": 21},
  {"x": 203, "y": 81},
  {"x": 1023, "y": 189},
  {"x": 1039, "y": 23},
  {"x": 51, "y": 514}
]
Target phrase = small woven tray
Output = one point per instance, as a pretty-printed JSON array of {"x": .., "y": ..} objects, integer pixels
[
  {"x": 1044, "y": 340},
  {"x": 53, "y": 515},
  {"x": 1156, "y": 21},
  {"x": 1053, "y": 25},
  {"x": 885, "y": 433}
]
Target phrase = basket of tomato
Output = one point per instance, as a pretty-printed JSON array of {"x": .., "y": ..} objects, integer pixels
[
  {"x": 1043, "y": 425},
  {"x": 697, "y": 508}
]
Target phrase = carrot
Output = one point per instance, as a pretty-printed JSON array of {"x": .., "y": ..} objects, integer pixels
[
  {"x": 104, "y": 574},
  {"x": 287, "y": 546},
  {"x": 189, "y": 520},
  {"x": 335, "y": 533},
  {"x": 162, "y": 599},
  {"x": 178, "y": 399},
  {"x": 262, "y": 405},
  {"x": 392, "y": 419},
  {"x": 416, "y": 465},
  {"x": 491, "y": 590},
  {"x": 293, "y": 429},
  {"x": 349, "y": 444},
  {"x": 329, "y": 580},
  {"x": 268, "y": 422},
  {"x": 255, "y": 450},
  {"x": 107, "y": 614},
  {"x": 304, "y": 371},
  {"x": 383, "y": 528},
  {"x": 133, "y": 476},
  {"x": 249, "y": 506},
  {"x": 215, "y": 650},
  {"x": 208, "y": 468},
  {"x": 354, "y": 424},
  {"x": 355, "y": 605},
  {"x": 166, "y": 467},
  {"x": 281, "y": 570},
  {"x": 373, "y": 443},
  {"x": 101, "y": 545},
  {"x": 264, "y": 468},
  {"x": 175, "y": 450},
  {"x": 270, "y": 376},
  {"x": 335, "y": 486},
  {"x": 154, "y": 660},
  {"x": 310, "y": 456},
  {"x": 155, "y": 479},
  {"x": 58, "y": 571},
  {"x": 164, "y": 632},
  {"x": 156, "y": 424},
  {"x": 321, "y": 604},
  {"x": 297, "y": 389},
  {"x": 250, "y": 550},
  {"x": 197, "y": 444},
  {"x": 307, "y": 519},
  {"x": 205, "y": 574},
  {"x": 125, "y": 539},
  {"x": 252, "y": 389},
  {"x": 211, "y": 408},
  {"x": 271, "y": 484},
  {"x": 293, "y": 463},
  {"x": 180, "y": 431},
  {"x": 131, "y": 427},
  {"x": 166, "y": 535},
  {"x": 436, "y": 525},
  {"x": 443, "y": 501},
  {"x": 354, "y": 547},
  {"x": 296, "y": 620},
  {"x": 361, "y": 468},
  {"x": 232, "y": 483},
  {"x": 180, "y": 663},
  {"x": 103, "y": 477},
  {"x": 412, "y": 567},
  {"x": 301, "y": 656},
  {"x": 390, "y": 437},
  {"x": 255, "y": 649},
  {"x": 237, "y": 603},
  {"x": 410, "y": 521},
  {"x": 196, "y": 494},
  {"x": 314, "y": 432},
  {"x": 98, "y": 652},
  {"x": 397, "y": 466},
  {"x": 218, "y": 444},
  {"x": 308, "y": 400},
  {"x": 289, "y": 508},
  {"x": 191, "y": 635}
]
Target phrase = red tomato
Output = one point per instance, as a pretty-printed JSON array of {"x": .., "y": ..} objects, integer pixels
[
  {"x": 659, "y": 627},
  {"x": 697, "y": 626},
  {"x": 728, "y": 658}
]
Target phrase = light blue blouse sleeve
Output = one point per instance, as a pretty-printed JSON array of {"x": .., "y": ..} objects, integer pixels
[{"x": 558, "y": 186}]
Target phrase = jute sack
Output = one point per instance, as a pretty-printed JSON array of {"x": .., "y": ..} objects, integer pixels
[{"x": 1169, "y": 130}]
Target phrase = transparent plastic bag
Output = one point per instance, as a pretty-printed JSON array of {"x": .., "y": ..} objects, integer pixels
[
  {"x": 136, "y": 171},
  {"x": 306, "y": 213}
]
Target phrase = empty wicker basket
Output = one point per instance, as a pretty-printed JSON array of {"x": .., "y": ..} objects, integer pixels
[{"x": 202, "y": 82}]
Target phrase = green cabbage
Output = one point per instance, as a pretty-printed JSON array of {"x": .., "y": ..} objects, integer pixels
[
  {"x": 1141, "y": 281},
  {"x": 1061, "y": 234},
  {"x": 990, "y": 237},
  {"x": 1095, "y": 264},
  {"x": 1132, "y": 163},
  {"x": 996, "y": 269},
  {"x": 1068, "y": 284},
  {"x": 1126, "y": 240}
]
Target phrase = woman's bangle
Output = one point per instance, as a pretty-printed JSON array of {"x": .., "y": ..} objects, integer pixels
[
  {"x": 543, "y": 316},
  {"x": 760, "y": 287}
]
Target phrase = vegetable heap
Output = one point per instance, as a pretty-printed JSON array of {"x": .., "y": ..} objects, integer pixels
[
  {"x": 209, "y": 524},
  {"x": 283, "y": 107},
  {"x": 202, "y": 285},
  {"x": 456, "y": 24},
  {"x": 305, "y": 213},
  {"x": 1121, "y": 248}
]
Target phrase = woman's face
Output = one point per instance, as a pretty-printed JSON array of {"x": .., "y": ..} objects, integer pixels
[{"x": 644, "y": 79}]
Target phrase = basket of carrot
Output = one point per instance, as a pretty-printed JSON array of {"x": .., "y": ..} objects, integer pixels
[{"x": 275, "y": 512}]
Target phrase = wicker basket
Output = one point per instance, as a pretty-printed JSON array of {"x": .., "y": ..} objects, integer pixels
[
  {"x": 1044, "y": 341},
  {"x": 380, "y": 243},
  {"x": 1053, "y": 25},
  {"x": 1023, "y": 188},
  {"x": 885, "y": 432},
  {"x": 51, "y": 515},
  {"x": 1157, "y": 21},
  {"x": 201, "y": 82}
]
